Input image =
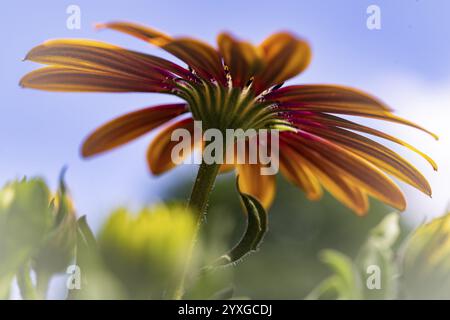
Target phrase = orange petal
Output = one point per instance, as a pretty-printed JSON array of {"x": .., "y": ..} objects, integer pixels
[
  {"x": 77, "y": 80},
  {"x": 331, "y": 178},
  {"x": 242, "y": 58},
  {"x": 330, "y": 97},
  {"x": 203, "y": 58},
  {"x": 154, "y": 36},
  {"x": 372, "y": 151},
  {"x": 387, "y": 116},
  {"x": 251, "y": 182},
  {"x": 350, "y": 194},
  {"x": 100, "y": 56},
  {"x": 128, "y": 127},
  {"x": 335, "y": 99},
  {"x": 159, "y": 153},
  {"x": 332, "y": 120},
  {"x": 295, "y": 170},
  {"x": 284, "y": 57},
  {"x": 354, "y": 168},
  {"x": 384, "y": 115},
  {"x": 309, "y": 177},
  {"x": 225, "y": 168}
]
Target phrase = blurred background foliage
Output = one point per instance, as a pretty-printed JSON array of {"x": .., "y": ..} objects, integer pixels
[
  {"x": 313, "y": 250},
  {"x": 287, "y": 266}
]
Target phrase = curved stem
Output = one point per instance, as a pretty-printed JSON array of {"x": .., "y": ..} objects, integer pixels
[{"x": 198, "y": 201}]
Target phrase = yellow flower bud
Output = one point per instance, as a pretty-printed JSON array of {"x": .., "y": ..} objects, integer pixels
[
  {"x": 147, "y": 251},
  {"x": 426, "y": 264}
]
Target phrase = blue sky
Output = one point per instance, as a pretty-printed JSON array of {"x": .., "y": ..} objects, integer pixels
[{"x": 406, "y": 63}]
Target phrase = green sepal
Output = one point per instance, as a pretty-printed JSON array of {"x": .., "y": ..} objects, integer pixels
[{"x": 257, "y": 226}]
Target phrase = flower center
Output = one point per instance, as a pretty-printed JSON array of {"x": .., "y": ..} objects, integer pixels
[{"x": 224, "y": 108}]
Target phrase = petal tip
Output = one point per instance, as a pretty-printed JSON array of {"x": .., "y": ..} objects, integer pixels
[
  {"x": 85, "y": 154},
  {"x": 401, "y": 207},
  {"x": 425, "y": 188},
  {"x": 99, "y": 25},
  {"x": 22, "y": 82},
  {"x": 87, "y": 150},
  {"x": 361, "y": 212},
  {"x": 153, "y": 169}
]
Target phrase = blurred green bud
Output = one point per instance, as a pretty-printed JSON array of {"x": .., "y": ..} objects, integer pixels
[
  {"x": 426, "y": 261},
  {"x": 343, "y": 284},
  {"x": 25, "y": 218},
  {"x": 58, "y": 249},
  {"x": 372, "y": 275},
  {"x": 376, "y": 261},
  {"x": 95, "y": 281},
  {"x": 147, "y": 252}
]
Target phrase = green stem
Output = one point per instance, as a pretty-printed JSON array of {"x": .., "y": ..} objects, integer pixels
[
  {"x": 42, "y": 282},
  {"x": 203, "y": 186},
  {"x": 198, "y": 201},
  {"x": 27, "y": 290}
]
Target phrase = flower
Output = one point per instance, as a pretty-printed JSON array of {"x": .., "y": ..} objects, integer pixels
[
  {"x": 238, "y": 85},
  {"x": 147, "y": 251},
  {"x": 426, "y": 261},
  {"x": 37, "y": 228}
]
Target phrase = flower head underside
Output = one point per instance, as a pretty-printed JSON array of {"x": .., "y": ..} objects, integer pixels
[{"x": 239, "y": 85}]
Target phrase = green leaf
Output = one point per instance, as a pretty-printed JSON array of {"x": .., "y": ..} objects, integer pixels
[
  {"x": 58, "y": 250},
  {"x": 5, "y": 286},
  {"x": 356, "y": 279},
  {"x": 86, "y": 256},
  {"x": 257, "y": 226},
  {"x": 27, "y": 290},
  {"x": 343, "y": 284},
  {"x": 25, "y": 221},
  {"x": 86, "y": 237},
  {"x": 224, "y": 294},
  {"x": 64, "y": 202}
]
